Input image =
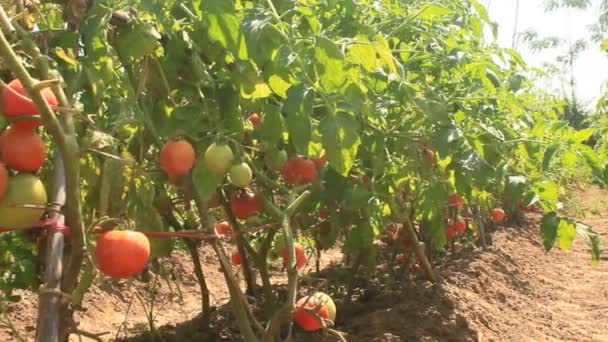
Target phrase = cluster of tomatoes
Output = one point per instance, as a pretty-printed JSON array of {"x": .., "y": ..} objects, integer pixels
[{"x": 23, "y": 197}]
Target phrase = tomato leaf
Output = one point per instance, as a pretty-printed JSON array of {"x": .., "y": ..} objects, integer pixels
[
  {"x": 592, "y": 238},
  {"x": 548, "y": 227},
  {"x": 205, "y": 182},
  {"x": 549, "y": 153},
  {"x": 137, "y": 41},
  {"x": 566, "y": 232},
  {"x": 341, "y": 141},
  {"x": 224, "y": 27},
  {"x": 272, "y": 127},
  {"x": 228, "y": 97},
  {"x": 329, "y": 65},
  {"x": 298, "y": 107}
]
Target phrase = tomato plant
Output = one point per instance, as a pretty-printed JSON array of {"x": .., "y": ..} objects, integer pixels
[{"x": 392, "y": 120}]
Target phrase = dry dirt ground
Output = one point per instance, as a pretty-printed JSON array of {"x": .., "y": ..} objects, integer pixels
[{"x": 514, "y": 291}]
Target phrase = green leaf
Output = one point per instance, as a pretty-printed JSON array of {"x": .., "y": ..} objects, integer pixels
[
  {"x": 566, "y": 232},
  {"x": 433, "y": 11},
  {"x": 433, "y": 225},
  {"x": 548, "y": 228},
  {"x": 434, "y": 110},
  {"x": 514, "y": 188},
  {"x": 329, "y": 63},
  {"x": 583, "y": 135},
  {"x": 224, "y": 27},
  {"x": 137, "y": 41},
  {"x": 359, "y": 238},
  {"x": 341, "y": 141},
  {"x": 356, "y": 197},
  {"x": 205, "y": 182},
  {"x": 592, "y": 238},
  {"x": 298, "y": 107},
  {"x": 272, "y": 127},
  {"x": 549, "y": 153},
  {"x": 228, "y": 98},
  {"x": 548, "y": 191}
]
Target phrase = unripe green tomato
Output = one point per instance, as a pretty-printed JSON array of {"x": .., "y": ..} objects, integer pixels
[
  {"x": 218, "y": 158},
  {"x": 276, "y": 160},
  {"x": 240, "y": 175}
]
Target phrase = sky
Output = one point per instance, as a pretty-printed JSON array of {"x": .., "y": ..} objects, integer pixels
[{"x": 591, "y": 69}]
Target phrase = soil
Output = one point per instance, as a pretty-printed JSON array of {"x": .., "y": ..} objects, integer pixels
[{"x": 513, "y": 291}]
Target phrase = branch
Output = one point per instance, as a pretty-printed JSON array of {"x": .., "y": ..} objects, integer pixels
[
  {"x": 285, "y": 311},
  {"x": 63, "y": 135}
]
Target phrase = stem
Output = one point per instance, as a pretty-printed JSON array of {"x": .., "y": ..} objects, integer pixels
[
  {"x": 283, "y": 314},
  {"x": 240, "y": 243},
  {"x": 198, "y": 267},
  {"x": 240, "y": 306},
  {"x": 200, "y": 277},
  {"x": 418, "y": 246},
  {"x": 67, "y": 145}
]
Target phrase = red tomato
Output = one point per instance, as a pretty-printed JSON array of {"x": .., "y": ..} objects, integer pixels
[
  {"x": 16, "y": 102},
  {"x": 415, "y": 267},
  {"x": 498, "y": 215},
  {"x": 460, "y": 226},
  {"x": 122, "y": 253},
  {"x": 401, "y": 258},
  {"x": 450, "y": 233},
  {"x": 177, "y": 157},
  {"x": 23, "y": 149},
  {"x": 254, "y": 118},
  {"x": 308, "y": 320},
  {"x": 523, "y": 207},
  {"x": 3, "y": 180},
  {"x": 245, "y": 203},
  {"x": 455, "y": 200},
  {"x": 300, "y": 255},
  {"x": 223, "y": 228},
  {"x": 235, "y": 258},
  {"x": 299, "y": 171}
]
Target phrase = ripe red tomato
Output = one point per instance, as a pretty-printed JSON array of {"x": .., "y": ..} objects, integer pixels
[
  {"x": 455, "y": 200},
  {"x": 254, "y": 118},
  {"x": 223, "y": 228},
  {"x": 245, "y": 203},
  {"x": 300, "y": 255},
  {"x": 122, "y": 253},
  {"x": 3, "y": 180},
  {"x": 460, "y": 226},
  {"x": 401, "y": 258},
  {"x": 308, "y": 320},
  {"x": 16, "y": 102},
  {"x": 498, "y": 215},
  {"x": 430, "y": 156},
  {"x": 450, "y": 232},
  {"x": 23, "y": 149},
  {"x": 299, "y": 171},
  {"x": 523, "y": 207},
  {"x": 177, "y": 157},
  {"x": 236, "y": 259},
  {"x": 415, "y": 267}
]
